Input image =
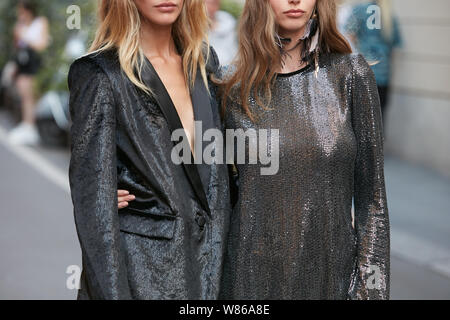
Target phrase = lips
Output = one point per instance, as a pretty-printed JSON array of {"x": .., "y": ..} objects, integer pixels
[
  {"x": 166, "y": 5},
  {"x": 294, "y": 13},
  {"x": 298, "y": 11}
]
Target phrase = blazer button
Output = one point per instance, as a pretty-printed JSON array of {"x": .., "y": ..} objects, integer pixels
[{"x": 200, "y": 219}]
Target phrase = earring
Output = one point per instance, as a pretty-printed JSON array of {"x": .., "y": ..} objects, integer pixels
[
  {"x": 310, "y": 26},
  {"x": 310, "y": 52}
]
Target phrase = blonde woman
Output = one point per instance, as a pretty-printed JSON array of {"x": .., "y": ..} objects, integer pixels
[
  {"x": 291, "y": 233},
  {"x": 148, "y": 75}
]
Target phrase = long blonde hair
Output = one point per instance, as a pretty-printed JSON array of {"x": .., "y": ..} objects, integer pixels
[
  {"x": 259, "y": 56},
  {"x": 120, "y": 24}
]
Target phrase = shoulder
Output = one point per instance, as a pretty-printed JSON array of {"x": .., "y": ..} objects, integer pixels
[
  {"x": 353, "y": 62},
  {"x": 104, "y": 59},
  {"x": 90, "y": 87},
  {"x": 358, "y": 72},
  {"x": 93, "y": 66},
  {"x": 360, "y": 66},
  {"x": 227, "y": 71},
  {"x": 348, "y": 69},
  {"x": 212, "y": 62}
]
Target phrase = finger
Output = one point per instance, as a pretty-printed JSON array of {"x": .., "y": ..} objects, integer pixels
[
  {"x": 122, "y": 192},
  {"x": 126, "y": 198},
  {"x": 122, "y": 205}
]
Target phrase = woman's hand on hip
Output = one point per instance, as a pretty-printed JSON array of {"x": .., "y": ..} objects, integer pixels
[{"x": 123, "y": 197}]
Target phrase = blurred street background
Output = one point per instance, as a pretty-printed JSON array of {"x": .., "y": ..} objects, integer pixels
[{"x": 38, "y": 240}]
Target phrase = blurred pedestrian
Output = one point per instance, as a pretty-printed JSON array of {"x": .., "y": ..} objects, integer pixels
[
  {"x": 222, "y": 34},
  {"x": 31, "y": 37},
  {"x": 344, "y": 11},
  {"x": 376, "y": 44}
]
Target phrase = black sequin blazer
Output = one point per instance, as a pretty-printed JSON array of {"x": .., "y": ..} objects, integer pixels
[{"x": 168, "y": 243}]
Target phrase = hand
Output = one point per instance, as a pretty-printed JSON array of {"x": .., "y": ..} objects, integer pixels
[{"x": 123, "y": 197}]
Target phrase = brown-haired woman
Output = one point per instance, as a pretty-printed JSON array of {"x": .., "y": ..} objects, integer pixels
[
  {"x": 147, "y": 76},
  {"x": 291, "y": 234}
]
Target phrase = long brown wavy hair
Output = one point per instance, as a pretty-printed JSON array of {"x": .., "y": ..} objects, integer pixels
[
  {"x": 120, "y": 24},
  {"x": 259, "y": 58}
]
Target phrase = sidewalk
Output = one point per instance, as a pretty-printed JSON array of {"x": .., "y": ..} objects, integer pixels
[{"x": 419, "y": 210}]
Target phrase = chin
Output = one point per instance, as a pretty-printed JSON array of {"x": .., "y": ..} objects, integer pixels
[
  {"x": 293, "y": 26},
  {"x": 163, "y": 19}
]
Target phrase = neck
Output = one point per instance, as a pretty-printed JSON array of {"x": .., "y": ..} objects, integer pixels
[
  {"x": 292, "y": 60},
  {"x": 157, "y": 41},
  {"x": 293, "y": 35}
]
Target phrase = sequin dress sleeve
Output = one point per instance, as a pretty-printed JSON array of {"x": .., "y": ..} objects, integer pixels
[
  {"x": 93, "y": 180},
  {"x": 371, "y": 275}
]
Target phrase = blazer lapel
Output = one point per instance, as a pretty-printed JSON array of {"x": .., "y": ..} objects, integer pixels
[
  {"x": 152, "y": 80},
  {"x": 203, "y": 113}
]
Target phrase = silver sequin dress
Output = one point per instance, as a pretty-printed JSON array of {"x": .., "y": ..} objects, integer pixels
[{"x": 291, "y": 233}]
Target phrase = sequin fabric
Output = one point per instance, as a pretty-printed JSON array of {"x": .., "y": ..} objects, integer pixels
[{"x": 291, "y": 234}]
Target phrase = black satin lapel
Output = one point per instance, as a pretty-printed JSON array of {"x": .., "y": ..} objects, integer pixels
[
  {"x": 203, "y": 113},
  {"x": 152, "y": 80}
]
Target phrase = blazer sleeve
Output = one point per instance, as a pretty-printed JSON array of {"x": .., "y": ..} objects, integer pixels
[
  {"x": 215, "y": 68},
  {"x": 371, "y": 278},
  {"x": 93, "y": 180}
]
